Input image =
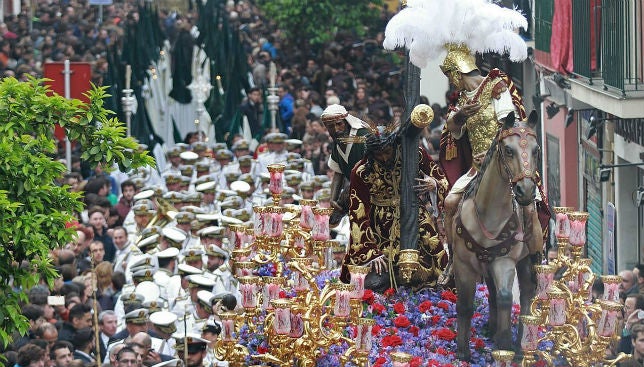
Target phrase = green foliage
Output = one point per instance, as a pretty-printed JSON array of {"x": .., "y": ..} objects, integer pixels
[
  {"x": 33, "y": 209},
  {"x": 317, "y": 21}
]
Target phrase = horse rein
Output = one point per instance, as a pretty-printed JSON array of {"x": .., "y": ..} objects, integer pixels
[{"x": 526, "y": 172}]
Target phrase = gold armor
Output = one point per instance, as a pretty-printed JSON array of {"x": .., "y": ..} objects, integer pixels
[{"x": 483, "y": 125}]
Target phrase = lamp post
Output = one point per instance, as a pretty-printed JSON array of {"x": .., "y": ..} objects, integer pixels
[
  {"x": 128, "y": 100},
  {"x": 273, "y": 99},
  {"x": 200, "y": 88}
]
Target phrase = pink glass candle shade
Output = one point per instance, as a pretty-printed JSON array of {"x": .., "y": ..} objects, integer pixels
[
  {"x": 258, "y": 221},
  {"x": 227, "y": 328},
  {"x": 577, "y": 228},
  {"x": 557, "y": 314},
  {"x": 282, "y": 322},
  {"x": 297, "y": 325},
  {"x": 358, "y": 275},
  {"x": 236, "y": 235},
  {"x": 267, "y": 221},
  {"x": 321, "y": 230},
  {"x": 545, "y": 277},
  {"x": 276, "y": 183},
  {"x": 307, "y": 219},
  {"x": 270, "y": 292},
  {"x": 562, "y": 223},
  {"x": 342, "y": 305},
  {"x": 249, "y": 294},
  {"x": 277, "y": 226},
  {"x": 611, "y": 287},
  {"x": 364, "y": 338},
  {"x": 530, "y": 336},
  {"x": 502, "y": 358},
  {"x": 608, "y": 320},
  {"x": 299, "y": 282}
]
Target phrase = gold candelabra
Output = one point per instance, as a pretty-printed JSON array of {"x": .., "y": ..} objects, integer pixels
[
  {"x": 579, "y": 327},
  {"x": 299, "y": 319}
]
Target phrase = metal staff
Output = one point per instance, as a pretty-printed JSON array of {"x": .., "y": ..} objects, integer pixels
[{"x": 97, "y": 332}]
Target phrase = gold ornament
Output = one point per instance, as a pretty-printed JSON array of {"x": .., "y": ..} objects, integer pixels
[{"x": 422, "y": 116}]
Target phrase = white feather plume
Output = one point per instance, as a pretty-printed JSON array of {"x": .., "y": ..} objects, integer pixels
[{"x": 426, "y": 26}]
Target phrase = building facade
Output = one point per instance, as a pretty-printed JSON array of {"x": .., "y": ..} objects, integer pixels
[{"x": 588, "y": 57}]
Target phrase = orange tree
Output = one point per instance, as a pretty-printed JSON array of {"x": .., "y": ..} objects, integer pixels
[{"x": 34, "y": 210}]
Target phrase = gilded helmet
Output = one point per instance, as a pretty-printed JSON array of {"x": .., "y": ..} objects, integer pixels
[{"x": 459, "y": 59}]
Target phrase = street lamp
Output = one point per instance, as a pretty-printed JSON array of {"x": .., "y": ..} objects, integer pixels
[
  {"x": 128, "y": 100},
  {"x": 200, "y": 88},
  {"x": 273, "y": 99}
]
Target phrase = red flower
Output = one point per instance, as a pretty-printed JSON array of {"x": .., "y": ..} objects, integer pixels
[
  {"x": 449, "y": 296},
  {"x": 380, "y": 361},
  {"x": 450, "y": 322},
  {"x": 402, "y": 321},
  {"x": 389, "y": 292},
  {"x": 425, "y": 306},
  {"x": 416, "y": 362},
  {"x": 436, "y": 319},
  {"x": 444, "y": 305},
  {"x": 368, "y": 296},
  {"x": 476, "y": 315},
  {"x": 377, "y": 308},
  {"x": 282, "y": 294},
  {"x": 445, "y": 334},
  {"x": 399, "y": 307},
  {"x": 478, "y": 343},
  {"x": 442, "y": 351},
  {"x": 262, "y": 349},
  {"x": 414, "y": 330},
  {"x": 391, "y": 341},
  {"x": 375, "y": 329}
]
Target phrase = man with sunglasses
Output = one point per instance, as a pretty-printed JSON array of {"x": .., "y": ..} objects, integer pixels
[{"x": 196, "y": 349}]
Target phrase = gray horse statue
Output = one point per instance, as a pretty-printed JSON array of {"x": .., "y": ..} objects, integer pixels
[{"x": 492, "y": 232}]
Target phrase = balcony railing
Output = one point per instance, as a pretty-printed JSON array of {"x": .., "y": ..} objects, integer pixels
[{"x": 607, "y": 42}]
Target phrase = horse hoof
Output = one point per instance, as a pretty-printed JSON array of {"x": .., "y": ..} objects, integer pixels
[{"x": 463, "y": 356}]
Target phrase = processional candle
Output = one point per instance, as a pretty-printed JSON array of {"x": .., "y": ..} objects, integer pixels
[
  {"x": 530, "y": 337},
  {"x": 282, "y": 321},
  {"x": 557, "y": 313},
  {"x": 364, "y": 338},
  {"x": 248, "y": 289},
  {"x": 320, "y": 230},
  {"x": 342, "y": 306},
  {"x": 358, "y": 275},
  {"x": 276, "y": 184},
  {"x": 577, "y": 228},
  {"x": 562, "y": 223},
  {"x": 545, "y": 277}
]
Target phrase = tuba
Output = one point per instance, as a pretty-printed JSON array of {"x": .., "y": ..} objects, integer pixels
[{"x": 165, "y": 214}]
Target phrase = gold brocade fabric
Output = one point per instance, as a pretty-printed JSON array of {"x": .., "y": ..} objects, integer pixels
[
  {"x": 482, "y": 126},
  {"x": 374, "y": 216}
]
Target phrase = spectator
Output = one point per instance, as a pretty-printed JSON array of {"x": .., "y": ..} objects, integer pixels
[
  {"x": 34, "y": 315},
  {"x": 286, "y": 106},
  {"x": 31, "y": 356},
  {"x": 84, "y": 343},
  {"x": 61, "y": 353},
  {"x": 80, "y": 317}
]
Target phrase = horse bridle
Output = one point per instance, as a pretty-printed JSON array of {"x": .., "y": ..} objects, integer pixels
[{"x": 524, "y": 155}]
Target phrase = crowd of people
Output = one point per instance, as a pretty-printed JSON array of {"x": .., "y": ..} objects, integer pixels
[{"x": 161, "y": 280}]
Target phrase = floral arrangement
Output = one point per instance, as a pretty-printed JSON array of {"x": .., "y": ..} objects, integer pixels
[{"x": 422, "y": 324}]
